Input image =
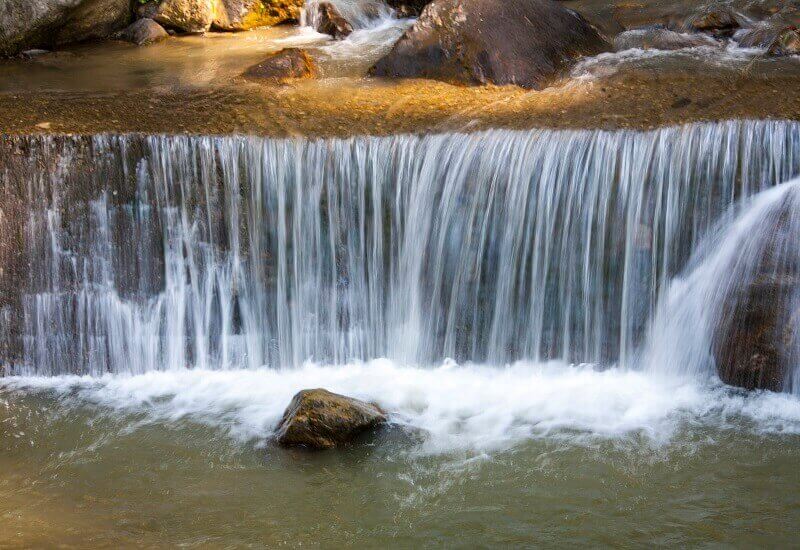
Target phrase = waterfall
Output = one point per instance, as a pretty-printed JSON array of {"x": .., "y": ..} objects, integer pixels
[
  {"x": 743, "y": 280},
  {"x": 137, "y": 253}
]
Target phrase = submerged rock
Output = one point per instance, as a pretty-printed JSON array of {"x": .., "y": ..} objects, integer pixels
[
  {"x": 144, "y": 31},
  {"x": 319, "y": 419},
  {"x": 242, "y": 15},
  {"x": 286, "y": 64},
  {"x": 660, "y": 38},
  {"x": 523, "y": 42},
  {"x": 27, "y": 24},
  {"x": 330, "y": 21}
]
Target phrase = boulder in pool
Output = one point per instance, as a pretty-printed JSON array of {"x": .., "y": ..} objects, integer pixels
[
  {"x": 319, "y": 419},
  {"x": 523, "y": 42},
  {"x": 330, "y": 21},
  {"x": 144, "y": 31},
  {"x": 189, "y": 16},
  {"x": 658, "y": 37},
  {"x": 289, "y": 63}
]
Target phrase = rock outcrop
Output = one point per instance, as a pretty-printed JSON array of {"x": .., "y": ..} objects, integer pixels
[
  {"x": 319, "y": 419},
  {"x": 330, "y": 21},
  {"x": 522, "y": 42},
  {"x": 286, "y": 64},
  {"x": 189, "y": 16},
  {"x": 660, "y": 38},
  {"x": 144, "y": 31},
  {"x": 26, "y": 24},
  {"x": 242, "y": 15}
]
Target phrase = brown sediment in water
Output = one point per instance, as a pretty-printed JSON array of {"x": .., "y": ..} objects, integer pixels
[{"x": 345, "y": 107}]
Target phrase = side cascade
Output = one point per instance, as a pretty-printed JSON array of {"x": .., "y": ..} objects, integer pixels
[{"x": 126, "y": 254}]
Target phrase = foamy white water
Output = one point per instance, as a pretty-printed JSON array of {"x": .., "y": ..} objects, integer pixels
[{"x": 458, "y": 408}]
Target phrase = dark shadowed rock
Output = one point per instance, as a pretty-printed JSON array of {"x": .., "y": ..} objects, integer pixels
[
  {"x": 319, "y": 419},
  {"x": 26, "y": 24},
  {"x": 144, "y": 31},
  {"x": 330, "y": 21},
  {"x": 719, "y": 20},
  {"x": 287, "y": 63},
  {"x": 750, "y": 351},
  {"x": 660, "y": 38},
  {"x": 408, "y": 8},
  {"x": 523, "y": 42}
]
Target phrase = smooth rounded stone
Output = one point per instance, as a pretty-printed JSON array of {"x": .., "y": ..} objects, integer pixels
[
  {"x": 189, "y": 16},
  {"x": 144, "y": 31},
  {"x": 242, "y": 15},
  {"x": 660, "y": 38},
  {"x": 523, "y": 42},
  {"x": 44, "y": 24},
  {"x": 330, "y": 21},
  {"x": 319, "y": 419},
  {"x": 777, "y": 39},
  {"x": 286, "y": 64}
]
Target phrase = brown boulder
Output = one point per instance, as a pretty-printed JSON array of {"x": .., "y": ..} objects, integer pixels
[
  {"x": 319, "y": 419},
  {"x": 522, "y": 42},
  {"x": 786, "y": 43},
  {"x": 286, "y": 64},
  {"x": 144, "y": 31},
  {"x": 242, "y": 15},
  {"x": 330, "y": 21},
  {"x": 190, "y": 16},
  {"x": 720, "y": 21}
]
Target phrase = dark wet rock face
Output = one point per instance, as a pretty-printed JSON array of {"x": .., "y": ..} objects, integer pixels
[
  {"x": 756, "y": 341},
  {"x": 523, "y": 42},
  {"x": 319, "y": 419},
  {"x": 286, "y": 64},
  {"x": 408, "y": 8},
  {"x": 660, "y": 38},
  {"x": 330, "y": 21},
  {"x": 26, "y": 24},
  {"x": 144, "y": 31},
  {"x": 751, "y": 352}
]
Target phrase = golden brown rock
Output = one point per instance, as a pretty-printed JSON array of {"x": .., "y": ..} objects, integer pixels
[
  {"x": 286, "y": 64},
  {"x": 319, "y": 419}
]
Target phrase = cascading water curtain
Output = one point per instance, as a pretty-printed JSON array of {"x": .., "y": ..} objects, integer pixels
[{"x": 238, "y": 252}]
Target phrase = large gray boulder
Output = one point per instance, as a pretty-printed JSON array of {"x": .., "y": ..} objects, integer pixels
[
  {"x": 26, "y": 24},
  {"x": 523, "y": 42},
  {"x": 319, "y": 419}
]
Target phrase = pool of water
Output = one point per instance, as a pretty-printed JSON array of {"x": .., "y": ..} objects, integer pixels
[{"x": 479, "y": 457}]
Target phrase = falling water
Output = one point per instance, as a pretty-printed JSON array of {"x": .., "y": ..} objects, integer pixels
[
  {"x": 743, "y": 278},
  {"x": 145, "y": 253}
]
